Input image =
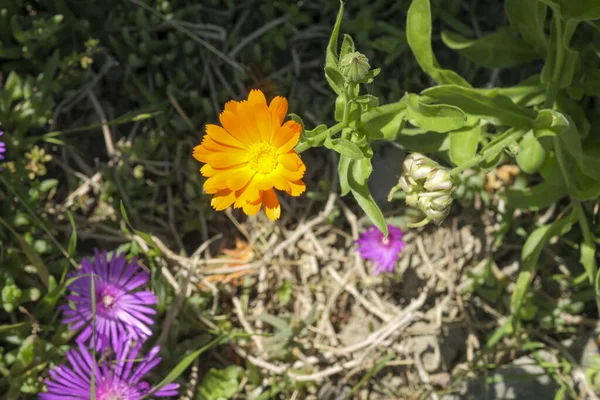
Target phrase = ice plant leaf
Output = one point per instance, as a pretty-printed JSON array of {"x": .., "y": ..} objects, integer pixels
[{"x": 73, "y": 238}]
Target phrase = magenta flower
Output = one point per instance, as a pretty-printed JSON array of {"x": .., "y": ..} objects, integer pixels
[
  {"x": 382, "y": 251},
  {"x": 121, "y": 379},
  {"x": 121, "y": 312},
  {"x": 2, "y": 149}
]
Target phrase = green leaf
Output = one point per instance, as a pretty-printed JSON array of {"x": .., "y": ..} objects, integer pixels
[
  {"x": 418, "y": 35},
  {"x": 428, "y": 142},
  {"x": 434, "y": 117},
  {"x": 464, "y": 143},
  {"x": 499, "y": 110},
  {"x": 347, "y": 46},
  {"x": 331, "y": 55},
  {"x": 183, "y": 364},
  {"x": 335, "y": 78},
  {"x": 344, "y": 147},
  {"x": 220, "y": 384},
  {"x": 384, "y": 121},
  {"x": 275, "y": 322},
  {"x": 47, "y": 184},
  {"x": 534, "y": 198},
  {"x": 501, "y": 49},
  {"x": 365, "y": 200},
  {"x": 73, "y": 238},
  {"x": 559, "y": 71},
  {"x": 528, "y": 18},
  {"x": 361, "y": 170},
  {"x": 49, "y": 71},
  {"x": 531, "y": 154},
  {"x": 343, "y": 172},
  {"x": 530, "y": 254},
  {"x": 580, "y": 10},
  {"x": 124, "y": 213}
]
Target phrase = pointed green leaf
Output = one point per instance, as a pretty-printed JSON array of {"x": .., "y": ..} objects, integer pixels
[
  {"x": 434, "y": 117},
  {"x": 418, "y": 35},
  {"x": 344, "y": 147},
  {"x": 501, "y": 49},
  {"x": 528, "y": 17},
  {"x": 499, "y": 110}
]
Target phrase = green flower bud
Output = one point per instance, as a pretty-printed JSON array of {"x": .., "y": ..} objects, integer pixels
[
  {"x": 428, "y": 186},
  {"x": 354, "y": 66}
]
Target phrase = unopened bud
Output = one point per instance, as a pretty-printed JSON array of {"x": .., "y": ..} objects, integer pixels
[
  {"x": 354, "y": 66},
  {"x": 428, "y": 186}
]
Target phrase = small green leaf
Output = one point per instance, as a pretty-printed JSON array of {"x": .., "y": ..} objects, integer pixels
[
  {"x": 499, "y": 110},
  {"x": 531, "y": 154},
  {"x": 343, "y": 172},
  {"x": 501, "y": 49},
  {"x": 347, "y": 46},
  {"x": 124, "y": 213},
  {"x": 386, "y": 119},
  {"x": 344, "y": 147},
  {"x": 418, "y": 35},
  {"x": 464, "y": 143},
  {"x": 73, "y": 238},
  {"x": 434, "y": 117},
  {"x": 335, "y": 78},
  {"x": 361, "y": 170},
  {"x": 331, "y": 55},
  {"x": 47, "y": 184}
]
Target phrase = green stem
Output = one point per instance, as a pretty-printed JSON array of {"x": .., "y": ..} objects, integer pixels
[
  {"x": 319, "y": 138},
  {"x": 488, "y": 153}
]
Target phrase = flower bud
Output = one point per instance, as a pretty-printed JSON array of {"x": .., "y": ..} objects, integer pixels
[
  {"x": 428, "y": 186},
  {"x": 354, "y": 66}
]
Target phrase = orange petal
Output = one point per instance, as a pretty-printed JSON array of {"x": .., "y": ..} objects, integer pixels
[
  {"x": 234, "y": 125},
  {"x": 214, "y": 184},
  {"x": 272, "y": 207},
  {"x": 249, "y": 193},
  {"x": 296, "y": 188},
  {"x": 238, "y": 178},
  {"x": 231, "y": 106},
  {"x": 251, "y": 208},
  {"x": 227, "y": 160},
  {"x": 256, "y": 96},
  {"x": 291, "y": 161},
  {"x": 247, "y": 115},
  {"x": 280, "y": 182},
  {"x": 290, "y": 144},
  {"x": 207, "y": 171},
  {"x": 222, "y": 199},
  {"x": 263, "y": 182},
  {"x": 278, "y": 109},
  {"x": 223, "y": 137},
  {"x": 288, "y": 131}
]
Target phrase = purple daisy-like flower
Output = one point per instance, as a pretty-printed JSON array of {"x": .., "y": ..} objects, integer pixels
[
  {"x": 121, "y": 312},
  {"x": 373, "y": 245},
  {"x": 117, "y": 380}
]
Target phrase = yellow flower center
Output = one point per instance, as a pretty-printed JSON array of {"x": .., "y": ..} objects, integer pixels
[{"x": 263, "y": 158}]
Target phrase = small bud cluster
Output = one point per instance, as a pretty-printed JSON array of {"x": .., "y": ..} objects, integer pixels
[{"x": 428, "y": 186}]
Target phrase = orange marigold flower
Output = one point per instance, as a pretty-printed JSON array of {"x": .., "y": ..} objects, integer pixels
[{"x": 252, "y": 153}]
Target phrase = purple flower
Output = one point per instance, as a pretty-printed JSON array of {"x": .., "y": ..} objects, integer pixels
[
  {"x": 382, "y": 251},
  {"x": 121, "y": 313},
  {"x": 2, "y": 149},
  {"x": 121, "y": 379}
]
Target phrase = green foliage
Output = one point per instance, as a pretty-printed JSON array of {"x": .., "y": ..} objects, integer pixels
[{"x": 220, "y": 384}]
